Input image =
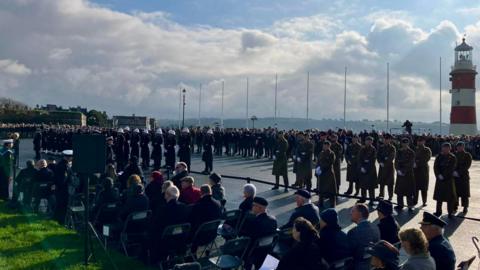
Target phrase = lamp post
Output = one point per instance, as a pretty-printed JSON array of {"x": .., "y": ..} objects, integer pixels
[
  {"x": 183, "y": 115},
  {"x": 253, "y": 118}
]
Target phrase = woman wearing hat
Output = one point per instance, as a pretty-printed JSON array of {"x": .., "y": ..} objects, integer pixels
[
  {"x": 333, "y": 242},
  {"x": 384, "y": 256},
  {"x": 416, "y": 245}
]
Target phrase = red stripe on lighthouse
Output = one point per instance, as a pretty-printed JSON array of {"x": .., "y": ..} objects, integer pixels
[
  {"x": 463, "y": 115},
  {"x": 463, "y": 80}
]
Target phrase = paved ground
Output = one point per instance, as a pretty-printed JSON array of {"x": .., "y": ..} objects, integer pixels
[{"x": 459, "y": 230}]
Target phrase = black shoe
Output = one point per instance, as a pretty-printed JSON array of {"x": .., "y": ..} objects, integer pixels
[
  {"x": 398, "y": 208},
  {"x": 389, "y": 199},
  {"x": 437, "y": 214},
  {"x": 424, "y": 204},
  {"x": 285, "y": 190},
  {"x": 450, "y": 216},
  {"x": 356, "y": 193},
  {"x": 361, "y": 201},
  {"x": 274, "y": 187},
  {"x": 465, "y": 210}
]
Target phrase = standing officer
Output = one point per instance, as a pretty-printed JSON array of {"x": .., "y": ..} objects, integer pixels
[
  {"x": 169, "y": 145},
  {"x": 368, "y": 172},
  {"x": 386, "y": 154},
  {"x": 351, "y": 155},
  {"x": 119, "y": 147},
  {"x": 280, "y": 164},
  {"x": 337, "y": 149},
  {"x": 126, "y": 146},
  {"x": 461, "y": 176},
  {"x": 445, "y": 191},
  {"x": 325, "y": 172},
  {"x": 134, "y": 143},
  {"x": 184, "y": 152},
  {"x": 303, "y": 159},
  {"x": 63, "y": 177},
  {"x": 109, "y": 151},
  {"x": 145, "y": 149},
  {"x": 405, "y": 186},
  {"x": 207, "y": 156},
  {"x": 6, "y": 168},
  {"x": 157, "y": 142},
  {"x": 421, "y": 170}
]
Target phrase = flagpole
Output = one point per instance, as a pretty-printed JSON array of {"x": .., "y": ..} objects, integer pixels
[
  {"x": 308, "y": 90},
  {"x": 440, "y": 93},
  {"x": 199, "y": 104},
  {"x": 276, "y": 87},
  {"x": 345, "y": 101},
  {"x": 223, "y": 91},
  {"x": 388, "y": 96},
  {"x": 179, "y": 106},
  {"x": 246, "y": 116}
]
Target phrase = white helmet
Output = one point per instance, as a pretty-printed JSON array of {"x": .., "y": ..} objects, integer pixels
[
  {"x": 210, "y": 131},
  {"x": 127, "y": 128},
  {"x": 186, "y": 130},
  {"x": 136, "y": 130},
  {"x": 120, "y": 130},
  {"x": 171, "y": 132},
  {"x": 159, "y": 131}
]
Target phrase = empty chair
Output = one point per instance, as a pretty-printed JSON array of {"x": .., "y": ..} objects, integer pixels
[
  {"x": 259, "y": 250},
  {"x": 232, "y": 254},
  {"x": 173, "y": 243},
  {"x": 233, "y": 221},
  {"x": 205, "y": 236}
]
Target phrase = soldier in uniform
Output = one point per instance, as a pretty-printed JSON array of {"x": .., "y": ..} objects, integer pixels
[
  {"x": 157, "y": 142},
  {"x": 368, "y": 171},
  {"x": 184, "y": 152},
  {"x": 405, "y": 186},
  {"x": 119, "y": 147},
  {"x": 207, "y": 155},
  {"x": 6, "y": 168},
  {"x": 169, "y": 146},
  {"x": 280, "y": 161},
  {"x": 199, "y": 140},
  {"x": 109, "y": 151},
  {"x": 145, "y": 149},
  {"x": 126, "y": 145},
  {"x": 63, "y": 177},
  {"x": 134, "y": 143},
  {"x": 385, "y": 156},
  {"x": 351, "y": 155},
  {"x": 421, "y": 170},
  {"x": 337, "y": 148},
  {"x": 445, "y": 191},
  {"x": 325, "y": 172},
  {"x": 461, "y": 176},
  {"x": 303, "y": 160}
]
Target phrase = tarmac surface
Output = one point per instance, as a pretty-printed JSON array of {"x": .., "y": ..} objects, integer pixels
[{"x": 459, "y": 230}]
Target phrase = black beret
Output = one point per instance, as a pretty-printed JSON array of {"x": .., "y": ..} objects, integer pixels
[
  {"x": 215, "y": 177},
  {"x": 385, "y": 207},
  {"x": 460, "y": 143},
  {"x": 260, "y": 200},
  {"x": 385, "y": 251},
  {"x": 304, "y": 193},
  {"x": 429, "y": 219}
]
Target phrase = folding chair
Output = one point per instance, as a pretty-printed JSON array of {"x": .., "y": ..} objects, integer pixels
[
  {"x": 175, "y": 241},
  {"x": 106, "y": 215},
  {"x": 188, "y": 266},
  {"x": 204, "y": 236},
  {"x": 261, "y": 247},
  {"x": 231, "y": 225},
  {"x": 134, "y": 229},
  {"x": 232, "y": 255},
  {"x": 75, "y": 212},
  {"x": 342, "y": 264}
]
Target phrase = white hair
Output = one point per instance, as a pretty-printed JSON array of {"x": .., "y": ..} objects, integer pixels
[
  {"x": 250, "y": 189},
  {"x": 173, "y": 192}
]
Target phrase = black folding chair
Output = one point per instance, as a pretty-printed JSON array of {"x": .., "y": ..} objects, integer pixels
[
  {"x": 134, "y": 229},
  {"x": 175, "y": 241},
  {"x": 75, "y": 212},
  {"x": 232, "y": 255},
  {"x": 188, "y": 266},
  {"x": 342, "y": 264},
  {"x": 231, "y": 225},
  {"x": 260, "y": 248},
  {"x": 106, "y": 215},
  {"x": 204, "y": 237}
]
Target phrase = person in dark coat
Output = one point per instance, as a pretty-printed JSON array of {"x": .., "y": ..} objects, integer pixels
[
  {"x": 24, "y": 183},
  {"x": 132, "y": 168},
  {"x": 135, "y": 143},
  {"x": 438, "y": 246},
  {"x": 305, "y": 209},
  {"x": 303, "y": 162},
  {"x": 368, "y": 172},
  {"x": 174, "y": 212},
  {"x": 136, "y": 202},
  {"x": 385, "y": 256},
  {"x": 304, "y": 254},
  {"x": 181, "y": 171},
  {"x": 218, "y": 191},
  {"x": 387, "y": 226},
  {"x": 385, "y": 156},
  {"x": 333, "y": 242},
  {"x": 154, "y": 190},
  {"x": 205, "y": 210},
  {"x": 207, "y": 155},
  {"x": 325, "y": 172},
  {"x": 421, "y": 170},
  {"x": 261, "y": 226},
  {"x": 7, "y": 160},
  {"x": 445, "y": 191},
  {"x": 190, "y": 194},
  {"x": 63, "y": 177},
  {"x": 351, "y": 155},
  {"x": 405, "y": 186},
  {"x": 462, "y": 176},
  {"x": 157, "y": 142},
  {"x": 280, "y": 161},
  {"x": 43, "y": 179},
  {"x": 184, "y": 151},
  {"x": 120, "y": 156},
  {"x": 337, "y": 149},
  {"x": 109, "y": 156},
  {"x": 109, "y": 194},
  {"x": 169, "y": 146},
  {"x": 145, "y": 149}
]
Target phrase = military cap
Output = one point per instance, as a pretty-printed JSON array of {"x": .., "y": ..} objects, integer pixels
[
  {"x": 446, "y": 144},
  {"x": 385, "y": 251},
  {"x": 460, "y": 143},
  {"x": 369, "y": 138},
  {"x": 387, "y": 136},
  {"x": 171, "y": 132},
  {"x": 7, "y": 141},
  {"x": 405, "y": 140},
  {"x": 110, "y": 138},
  {"x": 260, "y": 201},
  {"x": 67, "y": 153},
  {"x": 429, "y": 219},
  {"x": 304, "y": 193},
  {"x": 385, "y": 207},
  {"x": 215, "y": 177}
]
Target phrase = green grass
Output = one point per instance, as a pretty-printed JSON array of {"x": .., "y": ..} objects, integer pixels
[{"x": 28, "y": 241}]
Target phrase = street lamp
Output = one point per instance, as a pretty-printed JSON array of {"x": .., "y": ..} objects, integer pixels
[
  {"x": 253, "y": 118},
  {"x": 183, "y": 116}
]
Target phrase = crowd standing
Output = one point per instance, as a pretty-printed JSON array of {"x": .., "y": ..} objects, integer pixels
[{"x": 394, "y": 164}]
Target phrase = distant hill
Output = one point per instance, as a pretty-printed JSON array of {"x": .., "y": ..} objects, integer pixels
[{"x": 323, "y": 124}]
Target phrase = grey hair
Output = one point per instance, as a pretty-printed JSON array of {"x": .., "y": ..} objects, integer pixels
[
  {"x": 250, "y": 189},
  {"x": 166, "y": 185},
  {"x": 173, "y": 192}
]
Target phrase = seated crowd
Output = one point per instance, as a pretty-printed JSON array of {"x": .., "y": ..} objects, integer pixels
[{"x": 314, "y": 239}]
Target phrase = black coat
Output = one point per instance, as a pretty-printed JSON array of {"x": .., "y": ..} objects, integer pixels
[
  {"x": 133, "y": 204},
  {"x": 389, "y": 228},
  {"x": 333, "y": 244},
  {"x": 154, "y": 194},
  {"x": 129, "y": 170},
  {"x": 442, "y": 252},
  {"x": 302, "y": 256},
  {"x": 174, "y": 212},
  {"x": 262, "y": 225},
  {"x": 205, "y": 210},
  {"x": 308, "y": 211},
  {"x": 176, "y": 179}
]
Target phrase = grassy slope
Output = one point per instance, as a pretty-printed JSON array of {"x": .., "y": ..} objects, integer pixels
[{"x": 31, "y": 242}]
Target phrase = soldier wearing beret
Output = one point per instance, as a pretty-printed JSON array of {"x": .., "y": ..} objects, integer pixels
[
  {"x": 303, "y": 162},
  {"x": 445, "y": 191},
  {"x": 326, "y": 181},
  {"x": 337, "y": 148},
  {"x": 280, "y": 165},
  {"x": 304, "y": 209},
  {"x": 438, "y": 246},
  {"x": 368, "y": 170},
  {"x": 421, "y": 170},
  {"x": 405, "y": 186},
  {"x": 351, "y": 155},
  {"x": 461, "y": 175},
  {"x": 385, "y": 156}
]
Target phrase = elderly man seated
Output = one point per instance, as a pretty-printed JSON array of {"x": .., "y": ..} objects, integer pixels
[{"x": 304, "y": 209}]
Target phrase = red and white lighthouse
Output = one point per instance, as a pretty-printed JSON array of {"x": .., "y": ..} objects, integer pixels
[{"x": 463, "y": 120}]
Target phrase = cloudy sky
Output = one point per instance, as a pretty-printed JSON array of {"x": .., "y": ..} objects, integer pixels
[{"x": 127, "y": 56}]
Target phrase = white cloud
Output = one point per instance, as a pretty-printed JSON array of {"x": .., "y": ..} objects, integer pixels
[{"x": 11, "y": 67}]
